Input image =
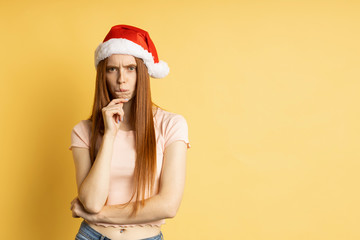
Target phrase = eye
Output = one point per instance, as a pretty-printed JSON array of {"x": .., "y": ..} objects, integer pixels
[
  {"x": 111, "y": 69},
  {"x": 132, "y": 68}
]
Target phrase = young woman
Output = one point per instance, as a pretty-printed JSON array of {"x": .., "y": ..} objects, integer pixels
[{"x": 130, "y": 154}]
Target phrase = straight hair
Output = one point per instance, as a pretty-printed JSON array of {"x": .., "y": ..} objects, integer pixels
[{"x": 141, "y": 120}]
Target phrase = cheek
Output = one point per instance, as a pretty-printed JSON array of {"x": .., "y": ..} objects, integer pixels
[
  {"x": 134, "y": 80},
  {"x": 110, "y": 82},
  {"x": 110, "y": 87}
]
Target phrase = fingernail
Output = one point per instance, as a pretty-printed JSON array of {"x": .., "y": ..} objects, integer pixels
[
  {"x": 118, "y": 120},
  {"x": 126, "y": 99},
  {"x": 122, "y": 118}
]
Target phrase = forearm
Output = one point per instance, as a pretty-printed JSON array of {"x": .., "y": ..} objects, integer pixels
[
  {"x": 155, "y": 208},
  {"x": 94, "y": 189}
]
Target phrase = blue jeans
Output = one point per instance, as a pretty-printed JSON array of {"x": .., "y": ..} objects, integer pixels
[{"x": 88, "y": 233}]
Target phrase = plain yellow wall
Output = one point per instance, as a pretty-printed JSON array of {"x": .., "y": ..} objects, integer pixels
[{"x": 270, "y": 90}]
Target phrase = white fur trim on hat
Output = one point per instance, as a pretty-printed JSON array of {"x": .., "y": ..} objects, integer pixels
[{"x": 124, "y": 46}]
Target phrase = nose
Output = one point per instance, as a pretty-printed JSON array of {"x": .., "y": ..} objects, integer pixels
[{"x": 120, "y": 78}]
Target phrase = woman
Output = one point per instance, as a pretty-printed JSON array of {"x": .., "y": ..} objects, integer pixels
[{"x": 130, "y": 154}]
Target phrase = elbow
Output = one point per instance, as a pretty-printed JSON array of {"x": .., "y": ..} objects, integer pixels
[
  {"x": 91, "y": 207},
  {"x": 171, "y": 210},
  {"x": 170, "y": 204},
  {"x": 171, "y": 213}
]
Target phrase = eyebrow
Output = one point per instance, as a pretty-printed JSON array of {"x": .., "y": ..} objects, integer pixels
[{"x": 128, "y": 65}]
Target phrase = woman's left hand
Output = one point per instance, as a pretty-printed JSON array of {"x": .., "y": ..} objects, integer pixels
[{"x": 78, "y": 210}]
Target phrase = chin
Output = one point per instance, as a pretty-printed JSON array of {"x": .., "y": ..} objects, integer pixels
[
  {"x": 123, "y": 96},
  {"x": 130, "y": 98}
]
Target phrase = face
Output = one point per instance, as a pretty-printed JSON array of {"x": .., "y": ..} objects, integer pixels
[{"x": 121, "y": 76}]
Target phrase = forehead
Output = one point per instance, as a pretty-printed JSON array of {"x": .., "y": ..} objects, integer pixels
[{"x": 121, "y": 59}]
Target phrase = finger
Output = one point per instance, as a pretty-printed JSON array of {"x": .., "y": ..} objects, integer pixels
[
  {"x": 114, "y": 109},
  {"x": 117, "y": 100},
  {"x": 76, "y": 212},
  {"x": 123, "y": 100},
  {"x": 116, "y": 106},
  {"x": 74, "y": 215},
  {"x": 72, "y": 205},
  {"x": 115, "y": 113},
  {"x": 119, "y": 118}
]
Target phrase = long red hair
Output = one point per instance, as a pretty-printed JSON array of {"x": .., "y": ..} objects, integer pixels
[{"x": 141, "y": 120}]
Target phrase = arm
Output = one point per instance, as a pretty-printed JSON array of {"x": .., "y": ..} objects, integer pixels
[
  {"x": 165, "y": 204},
  {"x": 93, "y": 181}
]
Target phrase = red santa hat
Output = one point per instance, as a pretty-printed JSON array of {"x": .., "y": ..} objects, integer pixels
[{"x": 125, "y": 39}]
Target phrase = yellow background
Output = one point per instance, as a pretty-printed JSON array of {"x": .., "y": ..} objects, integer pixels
[{"x": 270, "y": 91}]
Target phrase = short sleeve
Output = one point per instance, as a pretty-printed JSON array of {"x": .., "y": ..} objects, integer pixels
[
  {"x": 80, "y": 135},
  {"x": 176, "y": 129}
]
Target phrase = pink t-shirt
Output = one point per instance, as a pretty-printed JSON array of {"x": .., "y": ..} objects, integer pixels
[{"x": 169, "y": 127}]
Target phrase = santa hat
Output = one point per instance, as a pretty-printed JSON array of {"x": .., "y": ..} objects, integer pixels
[{"x": 124, "y": 39}]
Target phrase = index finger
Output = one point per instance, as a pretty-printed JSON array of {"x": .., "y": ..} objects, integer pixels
[{"x": 117, "y": 100}]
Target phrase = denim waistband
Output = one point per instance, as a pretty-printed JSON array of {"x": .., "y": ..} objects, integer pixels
[{"x": 92, "y": 234}]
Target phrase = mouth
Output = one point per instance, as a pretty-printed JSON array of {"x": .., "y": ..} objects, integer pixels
[{"x": 122, "y": 90}]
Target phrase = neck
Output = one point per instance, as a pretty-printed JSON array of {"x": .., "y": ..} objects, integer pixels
[{"x": 127, "y": 112}]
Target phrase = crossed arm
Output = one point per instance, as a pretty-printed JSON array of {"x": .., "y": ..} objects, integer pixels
[{"x": 162, "y": 205}]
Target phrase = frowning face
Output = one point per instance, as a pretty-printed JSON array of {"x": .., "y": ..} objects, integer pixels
[{"x": 121, "y": 76}]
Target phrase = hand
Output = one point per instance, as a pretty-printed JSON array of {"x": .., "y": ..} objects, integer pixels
[
  {"x": 113, "y": 114},
  {"x": 78, "y": 211}
]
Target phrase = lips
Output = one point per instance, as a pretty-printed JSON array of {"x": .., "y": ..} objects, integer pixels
[{"x": 122, "y": 90}]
